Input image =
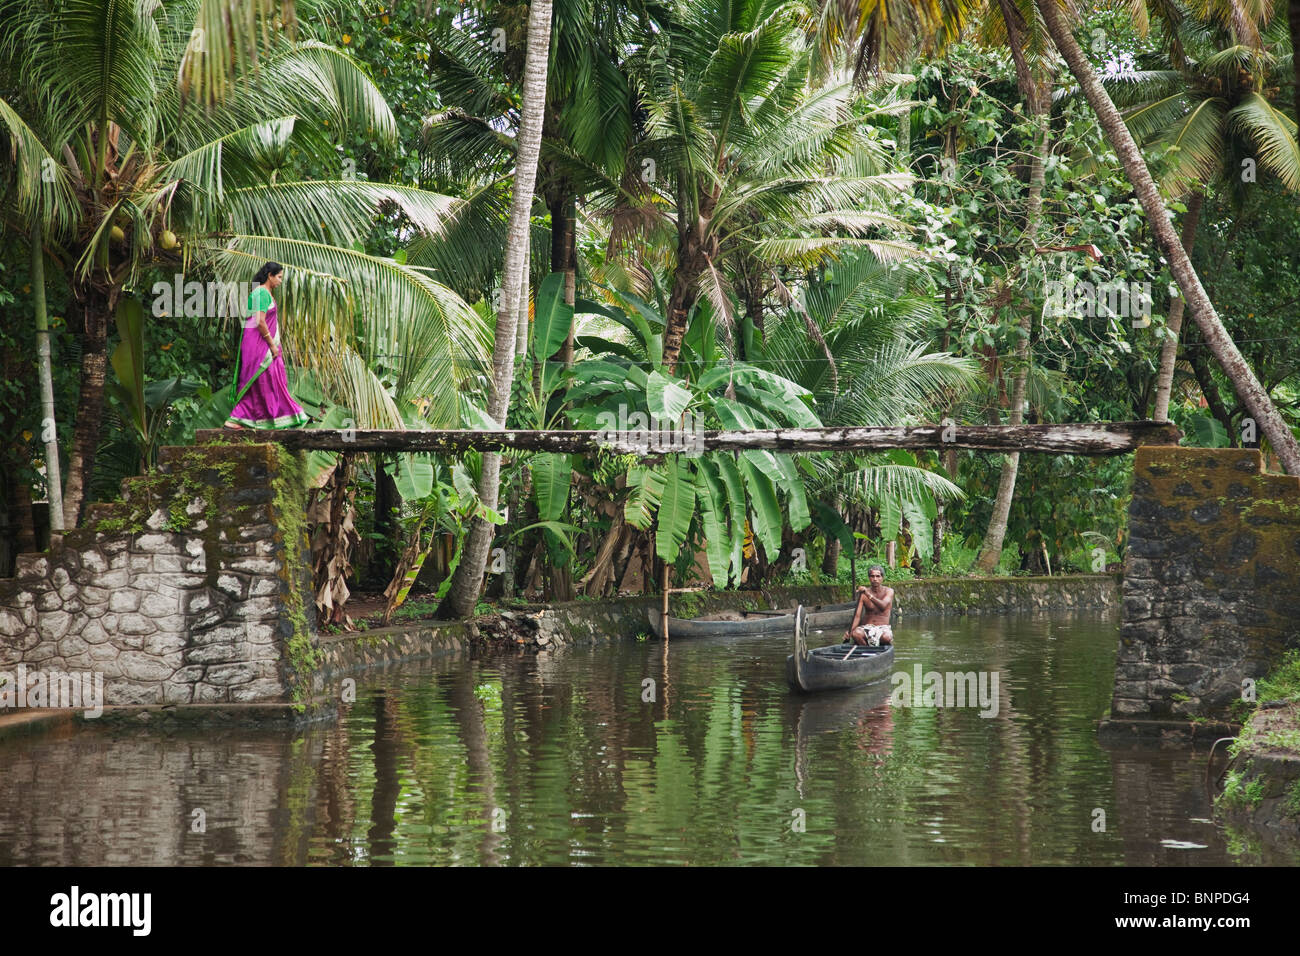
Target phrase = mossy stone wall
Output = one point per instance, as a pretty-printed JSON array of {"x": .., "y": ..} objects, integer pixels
[
  {"x": 191, "y": 589},
  {"x": 1211, "y": 593}
]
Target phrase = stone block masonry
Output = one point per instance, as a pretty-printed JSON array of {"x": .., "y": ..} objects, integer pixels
[
  {"x": 190, "y": 590},
  {"x": 1211, "y": 592}
]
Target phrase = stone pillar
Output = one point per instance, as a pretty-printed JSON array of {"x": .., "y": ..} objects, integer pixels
[{"x": 1211, "y": 583}]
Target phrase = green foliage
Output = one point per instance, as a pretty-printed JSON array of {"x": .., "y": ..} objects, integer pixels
[
  {"x": 147, "y": 403},
  {"x": 712, "y": 493},
  {"x": 1238, "y": 794},
  {"x": 1283, "y": 682}
]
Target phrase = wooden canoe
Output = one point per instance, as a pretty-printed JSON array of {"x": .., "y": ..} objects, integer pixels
[
  {"x": 833, "y": 667},
  {"x": 746, "y": 623}
]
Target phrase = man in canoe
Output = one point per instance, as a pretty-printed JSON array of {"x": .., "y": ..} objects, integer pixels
[{"x": 871, "y": 617}]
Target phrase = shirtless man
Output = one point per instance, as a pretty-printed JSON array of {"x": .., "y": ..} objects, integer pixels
[{"x": 872, "y": 628}]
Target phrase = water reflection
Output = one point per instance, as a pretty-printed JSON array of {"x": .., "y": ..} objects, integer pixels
[
  {"x": 863, "y": 714},
  {"x": 563, "y": 757}
]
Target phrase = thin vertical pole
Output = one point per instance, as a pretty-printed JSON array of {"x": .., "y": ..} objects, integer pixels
[
  {"x": 53, "y": 479},
  {"x": 665, "y": 618}
]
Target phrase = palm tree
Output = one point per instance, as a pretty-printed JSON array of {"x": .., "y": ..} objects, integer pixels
[
  {"x": 748, "y": 157},
  {"x": 892, "y": 27},
  {"x": 1205, "y": 111},
  {"x": 880, "y": 29},
  {"x": 144, "y": 139},
  {"x": 1253, "y": 395},
  {"x": 585, "y": 135},
  {"x": 872, "y": 320},
  {"x": 468, "y": 581}
]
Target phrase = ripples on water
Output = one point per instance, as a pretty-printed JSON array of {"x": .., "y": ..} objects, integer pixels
[{"x": 562, "y": 757}]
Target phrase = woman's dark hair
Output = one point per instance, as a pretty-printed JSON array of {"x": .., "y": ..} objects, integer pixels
[{"x": 268, "y": 270}]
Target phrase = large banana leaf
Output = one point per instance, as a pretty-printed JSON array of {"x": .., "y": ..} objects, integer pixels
[
  {"x": 614, "y": 375},
  {"x": 676, "y": 508},
  {"x": 712, "y": 499},
  {"x": 553, "y": 318},
  {"x": 764, "y": 461},
  {"x": 598, "y": 346},
  {"x": 647, "y": 484},
  {"x": 637, "y": 322},
  {"x": 552, "y": 474},
  {"x": 414, "y": 477},
  {"x": 891, "y": 515},
  {"x": 921, "y": 528},
  {"x": 792, "y": 485},
  {"x": 667, "y": 399},
  {"x": 831, "y": 523},
  {"x": 766, "y": 510},
  {"x": 730, "y": 475}
]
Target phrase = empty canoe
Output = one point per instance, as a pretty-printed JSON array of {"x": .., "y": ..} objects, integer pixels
[{"x": 747, "y": 623}]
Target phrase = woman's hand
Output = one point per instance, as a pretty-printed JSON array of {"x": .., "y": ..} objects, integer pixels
[{"x": 275, "y": 349}]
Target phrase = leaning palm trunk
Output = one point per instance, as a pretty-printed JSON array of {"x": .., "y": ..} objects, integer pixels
[
  {"x": 1038, "y": 104},
  {"x": 1256, "y": 399},
  {"x": 1169, "y": 348},
  {"x": 53, "y": 482},
  {"x": 468, "y": 582}
]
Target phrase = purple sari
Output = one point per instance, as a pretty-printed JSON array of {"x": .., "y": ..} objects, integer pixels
[{"x": 267, "y": 404}]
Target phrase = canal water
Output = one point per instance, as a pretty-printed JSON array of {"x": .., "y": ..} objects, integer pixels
[{"x": 630, "y": 752}]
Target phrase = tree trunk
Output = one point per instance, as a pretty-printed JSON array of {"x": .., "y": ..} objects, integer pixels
[
  {"x": 1257, "y": 401},
  {"x": 1089, "y": 438},
  {"x": 95, "y": 309},
  {"x": 693, "y": 256},
  {"x": 1038, "y": 105},
  {"x": 831, "y": 560},
  {"x": 387, "y": 501},
  {"x": 521, "y": 324},
  {"x": 468, "y": 581},
  {"x": 49, "y": 435},
  {"x": 564, "y": 255},
  {"x": 1169, "y": 348},
  {"x": 680, "y": 302}
]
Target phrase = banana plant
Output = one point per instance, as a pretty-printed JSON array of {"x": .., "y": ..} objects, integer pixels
[
  {"x": 542, "y": 406},
  {"x": 441, "y": 499},
  {"x": 719, "y": 495}
]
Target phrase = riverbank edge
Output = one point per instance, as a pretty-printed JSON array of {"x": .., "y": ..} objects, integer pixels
[
  {"x": 340, "y": 658},
  {"x": 545, "y": 626},
  {"x": 1262, "y": 781}
]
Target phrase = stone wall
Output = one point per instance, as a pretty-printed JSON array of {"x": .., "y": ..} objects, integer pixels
[
  {"x": 1211, "y": 592},
  {"x": 189, "y": 590}
]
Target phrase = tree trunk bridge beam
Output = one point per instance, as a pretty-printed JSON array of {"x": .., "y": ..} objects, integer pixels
[{"x": 1111, "y": 438}]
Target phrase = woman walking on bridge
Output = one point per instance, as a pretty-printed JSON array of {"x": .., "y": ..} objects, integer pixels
[{"x": 262, "y": 398}]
